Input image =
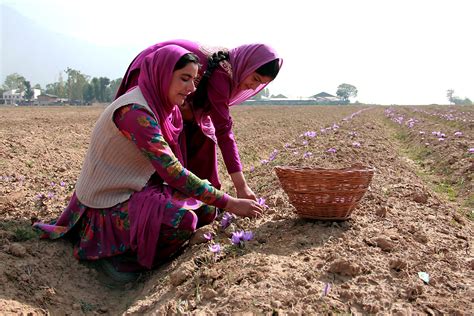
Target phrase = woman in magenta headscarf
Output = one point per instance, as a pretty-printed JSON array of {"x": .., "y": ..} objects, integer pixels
[
  {"x": 133, "y": 196},
  {"x": 228, "y": 77}
]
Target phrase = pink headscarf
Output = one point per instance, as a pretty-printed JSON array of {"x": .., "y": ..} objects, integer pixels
[
  {"x": 245, "y": 60},
  {"x": 156, "y": 72}
]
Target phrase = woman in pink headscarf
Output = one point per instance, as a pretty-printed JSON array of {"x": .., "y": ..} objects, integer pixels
[
  {"x": 133, "y": 196},
  {"x": 229, "y": 77}
]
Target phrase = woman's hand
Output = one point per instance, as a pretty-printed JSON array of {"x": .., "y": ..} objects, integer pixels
[
  {"x": 244, "y": 207},
  {"x": 246, "y": 193},
  {"x": 241, "y": 187}
]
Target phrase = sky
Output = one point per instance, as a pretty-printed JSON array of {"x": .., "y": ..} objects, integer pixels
[{"x": 392, "y": 51}]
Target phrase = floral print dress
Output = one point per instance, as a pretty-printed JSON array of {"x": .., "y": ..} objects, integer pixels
[{"x": 186, "y": 203}]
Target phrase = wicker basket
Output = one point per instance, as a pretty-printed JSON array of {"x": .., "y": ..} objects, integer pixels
[{"x": 330, "y": 194}]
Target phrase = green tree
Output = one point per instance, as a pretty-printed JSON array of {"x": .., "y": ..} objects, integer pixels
[
  {"x": 37, "y": 86},
  {"x": 346, "y": 91},
  {"x": 14, "y": 81},
  {"x": 103, "y": 84},
  {"x": 88, "y": 93},
  {"x": 457, "y": 100},
  {"x": 112, "y": 89},
  {"x": 95, "y": 88},
  {"x": 75, "y": 84},
  {"x": 29, "y": 93}
]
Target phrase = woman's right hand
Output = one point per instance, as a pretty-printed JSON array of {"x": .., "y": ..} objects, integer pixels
[{"x": 244, "y": 207}]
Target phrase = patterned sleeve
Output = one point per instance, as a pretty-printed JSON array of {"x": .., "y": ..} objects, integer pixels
[{"x": 135, "y": 123}]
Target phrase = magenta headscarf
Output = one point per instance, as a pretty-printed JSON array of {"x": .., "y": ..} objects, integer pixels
[
  {"x": 156, "y": 72},
  {"x": 245, "y": 60}
]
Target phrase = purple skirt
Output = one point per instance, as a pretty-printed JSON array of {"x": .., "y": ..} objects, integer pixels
[{"x": 151, "y": 226}]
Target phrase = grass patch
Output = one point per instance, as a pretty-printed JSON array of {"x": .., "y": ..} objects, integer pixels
[
  {"x": 447, "y": 190},
  {"x": 21, "y": 231}
]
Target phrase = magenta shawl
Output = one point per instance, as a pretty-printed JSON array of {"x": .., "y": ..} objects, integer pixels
[
  {"x": 244, "y": 60},
  {"x": 154, "y": 81}
]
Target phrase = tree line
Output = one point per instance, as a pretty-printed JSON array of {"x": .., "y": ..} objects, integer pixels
[{"x": 77, "y": 87}]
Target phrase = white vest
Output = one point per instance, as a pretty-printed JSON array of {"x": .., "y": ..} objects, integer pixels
[{"x": 114, "y": 167}]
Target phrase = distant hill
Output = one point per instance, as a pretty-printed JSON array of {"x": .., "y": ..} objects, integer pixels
[{"x": 39, "y": 55}]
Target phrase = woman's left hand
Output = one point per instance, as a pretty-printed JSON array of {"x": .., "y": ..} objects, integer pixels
[{"x": 246, "y": 193}]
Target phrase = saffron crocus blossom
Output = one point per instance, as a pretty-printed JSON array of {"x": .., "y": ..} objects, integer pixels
[
  {"x": 216, "y": 248},
  {"x": 39, "y": 196},
  {"x": 226, "y": 220},
  {"x": 471, "y": 150},
  {"x": 261, "y": 202},
  {"x": 53, "y": 184},
  {"x": 458, "y": 134},
  {"x": 353, "y": 134},
  {"x": 252, "y": 169},
  {"x": 310, "y": 134},
  {"x": 264, "y": 161},
  {"x": 326, "y": 289},
  {"x": 332, "y": 150},
  {"x": 273, "y": 155},
  {"x": 305, "y": 142},
  {"x": 237, "y": 237},
  {"x": 50, "y": 195},
  {"x": 307, "y": 154},
  {"x": 208, "y": 236},
  {"x": 62, "y": 183},
  {"x": 248, "y": 235},
  {"x": 287, "y": 145}
]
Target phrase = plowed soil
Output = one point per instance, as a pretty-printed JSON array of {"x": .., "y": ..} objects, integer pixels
[{"x": 415, "y": 220}]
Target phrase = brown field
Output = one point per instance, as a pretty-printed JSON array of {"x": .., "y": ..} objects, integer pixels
[{"x": 417, "y": 216}]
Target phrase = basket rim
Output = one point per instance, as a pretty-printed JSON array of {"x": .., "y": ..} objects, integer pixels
[{"x": 354, "y": 168}]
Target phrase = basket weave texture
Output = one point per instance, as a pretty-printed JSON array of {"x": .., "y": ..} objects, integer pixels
[{"x": 328, "y": 194}]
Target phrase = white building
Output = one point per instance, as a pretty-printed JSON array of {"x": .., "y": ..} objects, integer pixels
[{"x": 16, "y": 96}]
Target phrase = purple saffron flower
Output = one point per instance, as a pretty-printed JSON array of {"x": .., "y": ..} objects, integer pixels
[
  {"x": 216, "y": 248},
  {"x": 356, "y": 144},
  {"x": 307, "y": 154},
  {"x": 208, "y": 236},
  {"x": 53, "y": 184},
  {"x": 264, "y": 161},
  {"x": 310, "y": 134},
  {"x": 261, "y": 201},
  {"x": 39, "y": 196},
  {"x": 273, "y": 155},
  {"x": 287, "y": 145},
  {"x": 335, "y": 126},
  {"x": 471, "y": 150},
  {"x": 353, "y": 134},
  {"x": 50, "y": 195},
  {"x": 332, "y": 150},
  {"x": 252, "y": 169},
  {"x": 458, "y": 134},
  {"x": 226, "y": 220},
  {"x": 248, "y": 235},
  {"x": 62, "y": 183},
  {"x": 237, "y": 237},
  {"x": 304, "y": 143},
  {"x": 326, "y": 289}
]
